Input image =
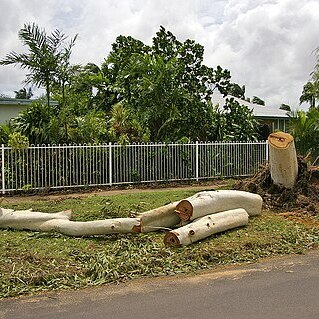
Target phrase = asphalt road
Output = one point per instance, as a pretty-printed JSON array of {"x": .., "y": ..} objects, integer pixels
[{"x": 278, "y": 288}]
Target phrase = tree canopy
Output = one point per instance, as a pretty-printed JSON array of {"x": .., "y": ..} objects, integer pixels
[
  {"x": 157, "y": 92},
  {"x": 24, "y": 93},
  {"x": 258, "y": 100},
  {"x": 304, "y": 126},
  {"x": 167, "y": 86}
]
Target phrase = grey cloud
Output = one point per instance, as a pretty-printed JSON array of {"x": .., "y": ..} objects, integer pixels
[
  {"x": 267, "y": 47},
  {"x": 266, "y": 44}
]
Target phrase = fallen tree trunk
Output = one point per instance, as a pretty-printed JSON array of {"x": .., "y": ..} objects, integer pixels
[
  {"x": 89, "y": 228},
  {"x": 28, "y": 219},
  {"x": 209, "y": 202},
  {"x": 158, "y": 218},
  {"x": 283, "y": 159},
  {"x": 206, "y": 226}
]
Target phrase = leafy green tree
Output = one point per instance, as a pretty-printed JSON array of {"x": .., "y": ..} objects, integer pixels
[
  {"x": 18, "y": 141},
  {"x": 166, "y": 85},
  {"x": 304, "y": 126},
  {"x": 100, "y": 86},
  {"x": 237, "y": 91},
  {"x": 240, "y": 124},
  {"x": 24, "y": 93},
  {"x": 5, "y": 131},
  {"x": 113, "y": 87},
  {"x": 79, "y": 93},
  {"x": 76, "y": 120},
  {"x": 89, "y": 128},
  {"x": 153, "y": 94},
  {"x": 43, "y": 124},
  {"x": 166, "y": 45},
  {"x": 258, "y": 100},
  {"x": 47, "y": 59},
  {"x": 310, "y": 94},
  {"x": 34, "y": 122},
  {"x": 124, "y": 126},
  {"x": 161, "y": 92},
  {"x": 285, "y": 107},
  {"x": 64, "y": 75}
]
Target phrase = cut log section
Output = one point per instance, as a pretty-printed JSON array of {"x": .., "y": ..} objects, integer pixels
[
  {"x": 28, "y": 219},
  {"x": 206, "y": 226},
  {"x": 158, "y": 218},
  {"x": 89, "y": 228},
  {"x": 283, "y": 159},
  {"x": 209, "y": 202}
]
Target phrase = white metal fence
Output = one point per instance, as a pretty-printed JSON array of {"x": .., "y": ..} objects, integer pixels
[{"x": 62, "y": 166}]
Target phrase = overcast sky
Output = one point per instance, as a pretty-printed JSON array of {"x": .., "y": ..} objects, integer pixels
[{"x": 266, "y": 44}]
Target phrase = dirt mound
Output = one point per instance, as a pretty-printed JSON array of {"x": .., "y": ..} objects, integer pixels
[{"x": 303, "y": 197}]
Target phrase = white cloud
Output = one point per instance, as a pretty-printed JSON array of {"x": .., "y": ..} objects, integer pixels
[{"x": 266, "y": 44}]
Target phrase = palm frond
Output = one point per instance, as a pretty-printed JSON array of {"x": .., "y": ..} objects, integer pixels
[{"x": 33, "y": 37}]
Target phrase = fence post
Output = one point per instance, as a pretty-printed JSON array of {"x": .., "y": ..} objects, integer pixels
[
  {"x": 197, "y": 161},
  {"x": 110, "y": 164},
  {"x": 3, "y": 189},
  {"x": 267, "y": 151}
]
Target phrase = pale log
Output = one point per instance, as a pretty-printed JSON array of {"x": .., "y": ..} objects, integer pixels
[
  {"x": 209, "y": 202},
  {"x": 206, "y": 226},
  {"x": 283, "y": 159},
  {"x": 90, "y": 228},
  {"x": 158, "y": 218},
  {"x": 28, "y": 219}
]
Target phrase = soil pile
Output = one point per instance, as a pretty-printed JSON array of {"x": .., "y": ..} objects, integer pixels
[{"x": 303, "y": 197}]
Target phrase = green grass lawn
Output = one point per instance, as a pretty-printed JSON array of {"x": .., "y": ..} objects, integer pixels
[{"x": 32, "y": 262}]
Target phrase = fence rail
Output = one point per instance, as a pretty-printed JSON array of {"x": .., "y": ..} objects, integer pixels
[{"x": 62, "y": 166}]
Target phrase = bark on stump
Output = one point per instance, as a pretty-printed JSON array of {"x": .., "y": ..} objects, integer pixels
[
  {"x": 283, "y": 159},
  {"x": 206, "y": 226},
  {"x": 209, "y": 202}
]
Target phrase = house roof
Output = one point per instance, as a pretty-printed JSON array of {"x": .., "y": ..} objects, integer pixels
[
  {"x": 259, "y": 111},
  {"x": 10, "y": 101},
  {"x": 22, "y": 102}
]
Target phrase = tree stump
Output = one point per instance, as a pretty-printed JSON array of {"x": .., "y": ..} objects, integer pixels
[{"x": 283, "y": 159}]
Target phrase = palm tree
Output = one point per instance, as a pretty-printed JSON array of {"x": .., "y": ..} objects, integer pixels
[
  {"x": 304, "y": 126},
  {"x": 309, "y": 94},
  {"x": 24, "y": 93},
  {"x": 45, "y": 57}
]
